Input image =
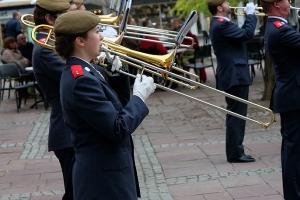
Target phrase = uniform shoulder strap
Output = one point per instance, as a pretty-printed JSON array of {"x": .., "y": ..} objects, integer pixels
[
  {"x": 220, "y": 20},
  {"x": 43, "y": 40},
  {"x": 77, "y": 71},
  {"x": 278, "y": 24}
]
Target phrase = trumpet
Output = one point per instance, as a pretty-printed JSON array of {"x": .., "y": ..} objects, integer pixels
[
  {"x": 161, "y": 66},
  {"x": 259, "y": 12}
]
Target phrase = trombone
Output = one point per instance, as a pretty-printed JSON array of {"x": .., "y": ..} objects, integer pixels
[
  {"x": 259, "y": 12},
  {"x": 27, "y": 20},
  {"x": 296, "y": 9},
  {"x": 162, "y": 64}
]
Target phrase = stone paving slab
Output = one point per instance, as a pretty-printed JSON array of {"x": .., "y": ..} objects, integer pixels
[{"x": 179, "y": 151}]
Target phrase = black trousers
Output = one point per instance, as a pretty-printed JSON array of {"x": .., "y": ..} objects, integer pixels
[
  {"x": 65, "y": 157},
  {"x": 235, "y": 127},
  {"x": 290, "y": 154}
]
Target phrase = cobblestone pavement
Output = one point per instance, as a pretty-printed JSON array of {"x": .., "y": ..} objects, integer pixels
[{"x": 179, "y": 151}]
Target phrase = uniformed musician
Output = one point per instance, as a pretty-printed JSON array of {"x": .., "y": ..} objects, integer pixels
[
  {"x": 101, "y": 119},
  {"x": 47, "y": 68},
  {"x": 282, "y": 43},
  {"x": 233, "y": 77}
]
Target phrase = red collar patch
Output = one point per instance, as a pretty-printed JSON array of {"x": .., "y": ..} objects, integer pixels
[
  {"x": 278, "y": 24},
  {"x": 77, "y": 71},
  {"x": 43, "y": 40},
  {"x": 220, "y": 20}
]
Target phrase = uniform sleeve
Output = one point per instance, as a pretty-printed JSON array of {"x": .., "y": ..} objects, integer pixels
[
  {"x": 90, "y": 102},
  {"x": 53, "y": 64},
  {"x": 289, "y": 37},
  {"x": 233, "y": 32}
]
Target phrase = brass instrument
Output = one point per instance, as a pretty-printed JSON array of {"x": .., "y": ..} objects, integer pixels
[
  {"x": 27, "y": 20},
  {"x": 296, "y": 9},
  {"x": 163, "y": 65},
  {"x": 259, "y": 12}
]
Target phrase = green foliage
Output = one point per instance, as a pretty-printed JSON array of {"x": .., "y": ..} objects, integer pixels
[{"x": 183, "y": 8}]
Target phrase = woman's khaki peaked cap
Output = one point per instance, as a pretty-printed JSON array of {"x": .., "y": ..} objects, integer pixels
[
  {"x": 214, "y": 2},
  {"x": 54, "y": 5},
  {"x": 78, "y": 2},
  {"x": 75, "y": 22}
]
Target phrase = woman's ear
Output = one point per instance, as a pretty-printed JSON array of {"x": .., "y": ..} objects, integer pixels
[{"x": 79, "y": 41}]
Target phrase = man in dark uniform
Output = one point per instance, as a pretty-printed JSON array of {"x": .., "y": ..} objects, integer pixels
[
  {"x": 47, "y": 68},
  {"x": 282, "y": 43},
  {"x": 233, "y": 75},
  {"x": 13, "y": 26}
]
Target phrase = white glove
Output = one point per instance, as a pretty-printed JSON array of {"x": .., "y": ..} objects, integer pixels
[
  {"x": 116, "y": 64},
  {"x": 113, "y": 60},
  {"x": 250, "y": 8},
  {"x": 143, "y": 88},
  {"x": 101, "y": 56}
]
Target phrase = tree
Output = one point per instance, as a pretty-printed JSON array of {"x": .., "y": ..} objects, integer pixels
[{"x": 183, "y": 8}]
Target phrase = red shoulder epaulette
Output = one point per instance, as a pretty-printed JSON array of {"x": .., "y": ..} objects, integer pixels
[
  {"x": 220, "y": 20},
  {"x": 278, "y": 24},
  {"x": 43, "y": 40},
  {"x": 77, "y": 71}
]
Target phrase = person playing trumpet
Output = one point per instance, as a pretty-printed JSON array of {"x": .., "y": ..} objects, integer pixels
[
  {"x": 100, "y": 119},
  {"x": 233, "y": 77},
  {"x": 282, "y": 43}
]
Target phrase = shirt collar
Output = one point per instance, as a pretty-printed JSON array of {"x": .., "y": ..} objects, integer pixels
[
  {"x": 275, "y": 17},
  {"x": 227, "y": 19}
]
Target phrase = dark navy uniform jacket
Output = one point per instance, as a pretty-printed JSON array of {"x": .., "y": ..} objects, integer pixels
[
  {"x": 229, "y": 45},
  {"x": 282, "y": 43},
  {"x": 101, "y": 126},
  {"x": 13, "y": 28},
  {"x": 47, "y": 68}
]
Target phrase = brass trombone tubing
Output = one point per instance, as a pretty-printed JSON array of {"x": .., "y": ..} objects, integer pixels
[
  {"x": 26, "y": 21},
  {"x": 165, "y": 64},
  {"x": 111, "y": 20},
  {"x": 165, "y": 61},
  {"x": 156, "y": 33},
  {"x": 264, "y": 125},
  {"x": 168, "y": 78},
  {"x": 260, "y": 14},
  {"x": 297, "y": 9},
  {"x": 158, "y": 41},
  {"x": 134, "y": 27}
]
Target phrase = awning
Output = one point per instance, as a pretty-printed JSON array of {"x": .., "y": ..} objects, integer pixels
[{"x": 13, "y": 3}]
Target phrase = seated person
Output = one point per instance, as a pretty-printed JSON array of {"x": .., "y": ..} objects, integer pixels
[
  {"x": 25, "y": 47},
  {"x": 10, "y": 53},
  {"x": 152, "y": 47}
]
